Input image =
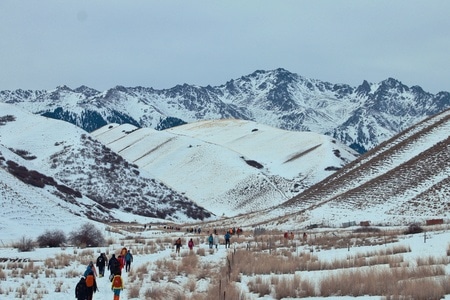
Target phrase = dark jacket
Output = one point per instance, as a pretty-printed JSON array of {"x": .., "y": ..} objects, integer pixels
[
  {"x": 81, "y": 289},
  {"x": 114, "y": 265}
]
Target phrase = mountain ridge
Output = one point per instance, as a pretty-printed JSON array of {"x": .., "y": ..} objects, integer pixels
[{"x": 360, "y": 117}]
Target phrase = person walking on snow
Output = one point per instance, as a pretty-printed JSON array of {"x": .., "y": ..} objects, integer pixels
[
  {"x": 101, "y": 263},
  {"x": 81, "y": 289},
  {"x": 227, "y": 239},
  {"x": 191, "y": 244},
  {"x": 113, "y": 265},
  {"x": 128, "y": 260},
  {"x": 216, "y": 240},
  {"x": 178, "y": 245},
  {"x": 210, "y": 241},
  {"x": 90, "y": 268},
  {"x": 117, "y": 285}
]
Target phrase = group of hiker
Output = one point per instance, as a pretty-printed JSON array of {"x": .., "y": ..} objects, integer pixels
[
  {"x": 213, "y": 241},
  {"x": 87, "y": 285}
]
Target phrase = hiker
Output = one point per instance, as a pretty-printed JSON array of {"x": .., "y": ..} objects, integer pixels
[
  {"x": 90, "y": 268},
  {"x": 128, "y": 260},
  {"x": 227, "y": 240},
  {"x": 191, "y": 244},
  {"x": 291, "y": 236},
  {"x": 101, "y": 263},
  {"x": 121, "y": 260},
  {"x": 113, "y": 266},
  {"x": 216, "y": 240},
  {"x": 91, "y": 285},
  {"x": 81, "y": 289},
  {"x": 305, "y": 237},
  {"x": 177, "y": 245},
  {"x": 210, "y": 241},
  {"x": 117, "y": 285}
]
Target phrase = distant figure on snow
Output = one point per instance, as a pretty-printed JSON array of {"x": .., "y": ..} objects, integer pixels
[
  {"x": 210, "y": 241},
  {"x": 177, "y": 245},
  {"x": 128, "y": 260},
  {"x": 227, "y": 240},
  {"x": 101, "y": 264},
  {"x": 191, "y": 244},
  {"x": 216, "y": 240}
]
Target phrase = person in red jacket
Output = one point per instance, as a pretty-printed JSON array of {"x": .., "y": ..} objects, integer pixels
[{"x": 191, "y": 244}]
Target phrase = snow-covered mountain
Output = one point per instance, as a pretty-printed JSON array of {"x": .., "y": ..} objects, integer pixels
[
  {"x": 231, "y": 166},
  {"x": 404, "y": 180},
  {"x": 361, "y": 117},
  {"x": 46, "y": 162}
]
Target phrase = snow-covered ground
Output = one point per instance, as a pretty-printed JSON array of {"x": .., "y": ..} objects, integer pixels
[{"x": 30, "y": 275}]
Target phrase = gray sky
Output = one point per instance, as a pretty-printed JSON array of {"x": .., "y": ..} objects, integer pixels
[{"x": 163, "y": 43}]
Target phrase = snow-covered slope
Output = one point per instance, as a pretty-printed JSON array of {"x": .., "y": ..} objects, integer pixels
[
  {"x": 57, "y": 155},
  {"x": 229, "y": 166},
  {"x": 404, "y": 180}
]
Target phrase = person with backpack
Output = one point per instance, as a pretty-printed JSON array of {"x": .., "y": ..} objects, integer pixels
[
  {"x": 117, "y": 285},
  {"x": 128, "y": 260},
  {"x": 81, "y": 289},
  {"x": 113, "y": 266},
  {"x": 91, "y": 285},
  {"x": 90, "y": 268},
  {"x": 101, "y": 263}
]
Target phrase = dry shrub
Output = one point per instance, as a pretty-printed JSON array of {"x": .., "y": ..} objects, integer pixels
[
  {"x": 224, "y": 290},
  {"x": 3, "y": 276},
  {"x": 133, "y": 290},
  {"x": 205, "y": 271},
  {"x": 259, "y": 286},
  {"x": 72, "y": 274},
  {"x": 188, "y": 264},
  {"x": 162, "y": 293},
  {"x": 139, "y": 272},
  {"x": 190, "y": 285},
  {"x": 157, "y": 276},
  {"x": 288, "y": 287},
  {"x": 371, "y": 281},
  {"x": 50, "y": 273},
  {"x": 201, "y": 251},
  {"x": 431, "y": 260},
  {"x": 21, "y": 291}
]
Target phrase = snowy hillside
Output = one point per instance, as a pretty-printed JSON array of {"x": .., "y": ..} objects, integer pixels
[
  {"x": 81, "y": 175},
  {"x": 229, "y": 166},
  {"x": 404, "y": 180}
]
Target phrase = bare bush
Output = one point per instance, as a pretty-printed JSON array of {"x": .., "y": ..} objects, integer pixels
[
  {"x": 24, "y": 245},
  {"x": 134, "y": 290},
  {"x": 52, "y": 238},
  {"x": 87, "y": 235}
]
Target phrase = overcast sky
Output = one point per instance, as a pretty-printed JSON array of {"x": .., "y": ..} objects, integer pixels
[{"x": 159, "y": 44}]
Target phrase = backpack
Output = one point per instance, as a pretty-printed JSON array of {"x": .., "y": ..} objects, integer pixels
[
  {"x": 90, "y": 280},
  {"x": 100, "y": 261},
  {"x": 117, "y": 282}
]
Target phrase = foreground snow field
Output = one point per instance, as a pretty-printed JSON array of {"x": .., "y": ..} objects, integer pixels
[{"x": 158, "y": 273}]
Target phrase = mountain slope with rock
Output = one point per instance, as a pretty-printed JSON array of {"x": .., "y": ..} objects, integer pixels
[{"x": 361, "y": 117}]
